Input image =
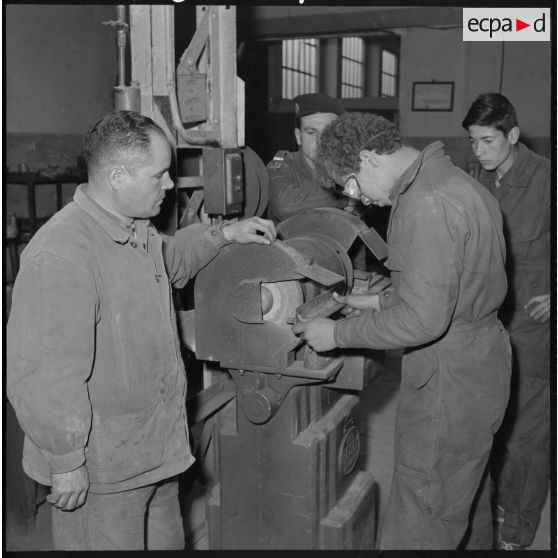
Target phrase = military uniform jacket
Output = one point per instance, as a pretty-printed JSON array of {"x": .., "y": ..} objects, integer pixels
[
  {"x": 94, "y": 368},
  {"x": 293, "y": 186}
]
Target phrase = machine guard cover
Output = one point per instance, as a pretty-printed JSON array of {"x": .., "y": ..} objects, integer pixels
[
  {"x": 335, "y": 223},
  {"x": 375, "y": 243},
  {"x": 245, "y": 302}
]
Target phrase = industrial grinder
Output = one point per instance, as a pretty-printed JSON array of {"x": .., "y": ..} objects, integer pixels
[{"x": 285, "y": 451}]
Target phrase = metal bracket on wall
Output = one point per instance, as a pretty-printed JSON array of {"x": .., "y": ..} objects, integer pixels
[{"x": 207, "y": 81}]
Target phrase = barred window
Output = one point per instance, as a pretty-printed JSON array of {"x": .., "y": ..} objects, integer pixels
[
  {"x": 388, "y": 87},
  {"x": 352, "y": 68},
  {"x": 299, "y": 67}
]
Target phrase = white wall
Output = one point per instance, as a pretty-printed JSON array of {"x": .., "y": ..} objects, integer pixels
[{"x": 428, "y": 54}]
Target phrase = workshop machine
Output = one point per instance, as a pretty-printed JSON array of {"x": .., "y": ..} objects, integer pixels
[
  {"x": 280, "y": 442},
  {"x": 285, "y": 460}
]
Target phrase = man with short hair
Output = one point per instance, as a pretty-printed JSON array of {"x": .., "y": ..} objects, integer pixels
[
  {"x": 446, "y": 255},
  {"x": 520, "y": 180},
  {"x": 293, "y": 181},
  {"x": 94, "y": 368}
]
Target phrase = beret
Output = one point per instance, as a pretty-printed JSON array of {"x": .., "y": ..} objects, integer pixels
[{"x": 312, "y": 103}]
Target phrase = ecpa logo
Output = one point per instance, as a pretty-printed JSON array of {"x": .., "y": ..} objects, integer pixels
[{"x": 506, "y": 24}]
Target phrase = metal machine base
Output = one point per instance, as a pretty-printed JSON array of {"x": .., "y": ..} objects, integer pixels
[{"x": 293, "y": 482}]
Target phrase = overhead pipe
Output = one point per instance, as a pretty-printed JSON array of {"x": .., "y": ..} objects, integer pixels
[
  {"x": 125, "y": 98},
  {"x": 121, "y": 42}
]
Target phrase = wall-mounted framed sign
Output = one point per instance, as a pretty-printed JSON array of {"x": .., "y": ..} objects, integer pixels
[{"x": 433, "y": 95}]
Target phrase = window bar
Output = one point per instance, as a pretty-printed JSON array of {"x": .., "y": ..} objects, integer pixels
[
  {"x": 306, "y": 59},
  {"x": 309, "y": 68},
  {"x": 287, "y": 70},
  {"x": 296, "y": 64},
  {"x": 291, "y": 75}
]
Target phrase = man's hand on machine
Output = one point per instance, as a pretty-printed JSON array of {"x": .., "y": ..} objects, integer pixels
[
  {"x": 69, "y": 490},
  {"x": 318, "y": 333},
  {"x": 254, "y": 229}
]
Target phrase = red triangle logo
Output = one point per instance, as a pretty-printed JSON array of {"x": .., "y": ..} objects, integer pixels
[{"x": 519, "y": 25}]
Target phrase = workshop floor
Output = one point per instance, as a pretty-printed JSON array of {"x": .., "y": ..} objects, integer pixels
[{"x": 378, "y": 414}]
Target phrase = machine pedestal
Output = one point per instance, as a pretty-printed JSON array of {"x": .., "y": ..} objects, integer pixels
[{"x": 293, "y": 482}]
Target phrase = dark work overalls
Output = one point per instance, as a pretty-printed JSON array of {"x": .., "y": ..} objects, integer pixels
[
  {"x": 522, "y": 448},
  {"x": 446, "y": 253}
]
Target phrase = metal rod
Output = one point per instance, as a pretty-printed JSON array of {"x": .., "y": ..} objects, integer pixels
[{"x": 121, "y": 42}]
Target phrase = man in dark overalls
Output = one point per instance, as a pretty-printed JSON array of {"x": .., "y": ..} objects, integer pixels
[
  {"x": 446, "y": 254},
  {"x": 520, "y": 181}
]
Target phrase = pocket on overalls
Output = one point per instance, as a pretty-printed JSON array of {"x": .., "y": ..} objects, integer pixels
[{"x": 419, "y": 365}]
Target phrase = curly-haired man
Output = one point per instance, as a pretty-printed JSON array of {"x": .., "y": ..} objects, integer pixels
[{"x": 446, "y": 255}]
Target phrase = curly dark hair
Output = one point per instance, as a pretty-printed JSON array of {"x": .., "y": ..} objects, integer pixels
[
  {"x": 350, "y": 133},
  {"x": 492, "y": 110},
  {"x": 120, "y": 136}
]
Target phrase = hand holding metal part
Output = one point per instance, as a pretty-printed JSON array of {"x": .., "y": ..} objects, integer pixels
[
  {"x": 312, "y": 324},
  {"x": 318, "y": 333},
  {"x": 364, "y": 299}
]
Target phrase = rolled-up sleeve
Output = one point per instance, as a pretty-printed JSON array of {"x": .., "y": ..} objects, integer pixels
[
  {"x": 428, "y": 261},
  {"x": 50, "y": 351}
]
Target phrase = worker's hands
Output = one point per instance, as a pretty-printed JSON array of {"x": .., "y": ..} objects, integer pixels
[
  {"x": 69, "y": 490},
  {"x": 318, "y": 333},
  {"x": 361, "y": 299},
  {"x": 356, "y": 303},
  {"x": 538, "y": 308},
  {"x": 254, "y": 229}
]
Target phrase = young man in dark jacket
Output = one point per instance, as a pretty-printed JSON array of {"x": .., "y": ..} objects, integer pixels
[
  {"x": 520, "y": 180},
  {"x": 446, "y": 255}
]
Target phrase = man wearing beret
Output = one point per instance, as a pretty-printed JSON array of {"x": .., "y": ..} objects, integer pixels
[{"x": 294, "y": 184}]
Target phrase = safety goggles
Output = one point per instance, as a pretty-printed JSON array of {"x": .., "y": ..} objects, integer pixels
[{"x": 351, "y": 189}]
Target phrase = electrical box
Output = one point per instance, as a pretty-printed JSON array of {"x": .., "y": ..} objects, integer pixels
[
  {"x": 192, "y": 95},
  {"x": 223, "y": 181}
]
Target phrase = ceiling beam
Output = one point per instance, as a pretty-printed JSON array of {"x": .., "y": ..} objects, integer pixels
[{"x": 339, "y": 22}]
